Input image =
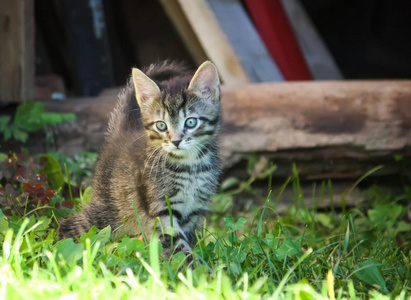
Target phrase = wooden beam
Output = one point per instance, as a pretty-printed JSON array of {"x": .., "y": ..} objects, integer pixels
[
  {"x": 16, "y": 50},
  {"x": 196, "y": 23},
  {"x": 182, "y": 25},
  {"x": 245, "y": 41}
]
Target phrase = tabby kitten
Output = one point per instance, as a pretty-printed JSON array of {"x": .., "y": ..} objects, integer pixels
[{"x": 161, "y": 141}]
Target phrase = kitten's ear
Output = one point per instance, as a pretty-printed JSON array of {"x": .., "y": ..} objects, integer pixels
[
  {"x": 206, "y": 82},
  {"x": 145, "y": 88}
]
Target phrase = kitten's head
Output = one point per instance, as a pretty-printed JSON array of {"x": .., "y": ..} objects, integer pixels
[{"x": 180, "y": 115}]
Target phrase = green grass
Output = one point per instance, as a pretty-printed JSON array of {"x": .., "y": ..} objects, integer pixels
[{"x": 304, "y": 253}]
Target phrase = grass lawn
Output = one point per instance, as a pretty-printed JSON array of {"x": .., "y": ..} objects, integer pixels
[{"x": 303, "y": 253}]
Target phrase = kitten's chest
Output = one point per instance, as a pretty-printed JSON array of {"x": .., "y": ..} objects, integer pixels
[{"x": 189, "y": 187}]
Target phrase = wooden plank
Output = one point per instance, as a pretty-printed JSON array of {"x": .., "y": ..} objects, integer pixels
[
  {"x": 212, "y": 39},
  {"x": 182, "y": 25},
  {"x": 16, "y": 50},
  {"x": 87, "y": 37},
  {"x": 273, "y": 25},
  {"x": 245, "y": 41}
]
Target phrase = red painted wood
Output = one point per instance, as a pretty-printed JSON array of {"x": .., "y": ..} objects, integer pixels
[{"x": 272, "y": 23}]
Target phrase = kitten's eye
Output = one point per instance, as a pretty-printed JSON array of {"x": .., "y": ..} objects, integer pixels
[
  {"x": 162, "y": 126},
  {"x": 191, "y": 122}
]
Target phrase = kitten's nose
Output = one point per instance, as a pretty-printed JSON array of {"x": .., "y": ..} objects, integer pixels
[{"x": 176, "y": 143}]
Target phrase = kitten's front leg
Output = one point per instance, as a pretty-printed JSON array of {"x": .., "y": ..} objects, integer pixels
[{"x": 173, "y": 239}]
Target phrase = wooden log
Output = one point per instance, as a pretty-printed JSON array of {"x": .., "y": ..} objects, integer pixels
[
  {"x": 16, "y": 50},
  {"x": 337, "y": 129}
]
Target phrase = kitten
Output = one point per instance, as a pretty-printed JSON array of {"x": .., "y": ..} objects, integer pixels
[{"x": 161, "y": 141}]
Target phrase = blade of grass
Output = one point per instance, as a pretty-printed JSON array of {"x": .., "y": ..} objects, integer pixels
[
  {"x": 283, "y": 282},
  {"x": 171, "y": 220},
  {"x": 68, "y": 182},
  {"x": 330, "y": 189},
  {"x": 368, "y": 173},
  {"x": 139, "y": 223},
  {"x": 298, "y": 186},
  {"x": 260, "y": 221}
]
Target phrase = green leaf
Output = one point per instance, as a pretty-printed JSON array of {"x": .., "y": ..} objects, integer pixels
[
  {"x": 103, "y": 236},
  {"x": 87, "y": 195},
  {"x": 239, "y": 225},
  {"x": 229, "y": 224},
  {"x": 231, "y": 227},
  {"x": 128, "y": 245},
  {"x": 398, "y": 157},
  {"x": 90, "y": 234},
  {"x": 229, "y": 183},
  {"x": 96, "y": 235},
  {"x": 368, "y": 272},
  {"x": 178, "y": 261},
  {"x": 403, "y": 227},
  {"x": 4, "y": 121},
  {"x": 5, "y": 128},
  {"x": 70, "y": 251},
  {"x": 20, "y": 135},
  {"x": 324, "y": 219},
  {"x": 4, "y": 223},
  {"x": 3, "y": 156},
  {"x": 288, "y": 248},
  {"x": 28, "y": 116},
  {"x": 56, "y": 118},
  {"x": 383, "y": 213},
  {"x": 52, "y": 169},
  {"x": 7, "y": 134},
  {"x": 45, "y": 224}
]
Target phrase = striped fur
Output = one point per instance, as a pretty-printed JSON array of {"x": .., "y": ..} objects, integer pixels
[{"x": 140, "y": 164}]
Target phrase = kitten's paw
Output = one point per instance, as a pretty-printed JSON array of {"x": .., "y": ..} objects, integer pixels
[{"x": 174, "y": 245}]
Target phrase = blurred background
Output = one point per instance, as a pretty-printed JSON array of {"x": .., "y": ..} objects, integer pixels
[
  {"x": 314, "y": 88},
  {"x": 314, "y": 109},
  {"x": 79, "y": 48}
]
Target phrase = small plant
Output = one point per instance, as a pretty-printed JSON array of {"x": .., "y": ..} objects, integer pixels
[
  {"x": 30, "y": 117},
  {"x": 30, "y": 184}
]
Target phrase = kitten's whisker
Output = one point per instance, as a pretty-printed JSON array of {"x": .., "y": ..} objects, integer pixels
[
  {"x": 164, "y": 163},
  {"x": 139, "y": 138},
  {"x": 192, "y": 159},
  {"x": 148, "y": 159},
  {"x": 156, "y": 161},
  {"x": 228, "y": 130},
  {"x": 198, "y": 147}
]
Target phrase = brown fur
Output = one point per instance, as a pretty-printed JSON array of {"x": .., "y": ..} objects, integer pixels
[{"x": 139, "y": 165}]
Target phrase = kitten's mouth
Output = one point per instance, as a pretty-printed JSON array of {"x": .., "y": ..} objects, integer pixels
[
  {"x": 176, "y": 151},
  {"x": 179, "y": 151}
]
